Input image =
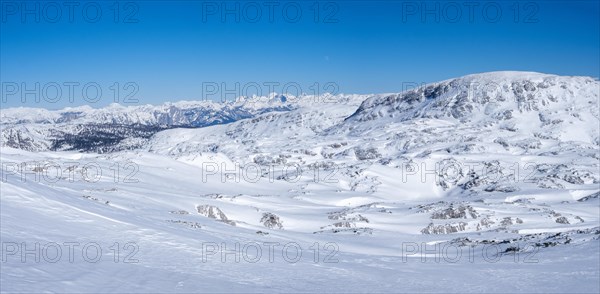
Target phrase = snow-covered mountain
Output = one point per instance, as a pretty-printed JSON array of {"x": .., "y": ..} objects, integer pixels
[
  {"x": 563, "y": 107},
  {"x": 117, "y": 127},
  {"x": 484, "y": 183},
  {"x": 530, "y": 126},
  {"x": 184, "y": 113}
]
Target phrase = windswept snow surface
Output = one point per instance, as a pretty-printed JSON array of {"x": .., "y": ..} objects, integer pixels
[{"x": 485, "y": 183}]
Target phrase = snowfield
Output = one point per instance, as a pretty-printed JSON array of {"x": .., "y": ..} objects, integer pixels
[{"x": 484, "y": 183}]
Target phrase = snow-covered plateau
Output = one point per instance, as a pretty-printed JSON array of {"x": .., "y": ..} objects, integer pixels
[{"x": 484, "y": 183}]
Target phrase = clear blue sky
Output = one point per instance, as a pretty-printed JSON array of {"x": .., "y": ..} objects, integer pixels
[{"x": 172, "y": 48}]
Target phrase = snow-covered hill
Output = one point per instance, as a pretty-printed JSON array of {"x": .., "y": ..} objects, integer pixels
[{"x": 485, "y": 183}]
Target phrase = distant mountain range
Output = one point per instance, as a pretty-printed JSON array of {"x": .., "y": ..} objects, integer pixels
[{"x": 501, "y": 98}]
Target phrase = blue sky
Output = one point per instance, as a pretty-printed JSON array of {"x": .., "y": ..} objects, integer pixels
[{"x": 172, "y": 50}]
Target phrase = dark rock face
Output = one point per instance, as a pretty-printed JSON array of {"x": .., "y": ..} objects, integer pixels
[
  {"x": 444, "y": 229},
  {"x": 271, "y": 221},
  {"x": 463, "y": 212},
  {"x": 214, "y": 213},
  {"x": 104, "y": 138},
  {"x": 100, "y": 138},
  {"x": 590, "y": 197}
]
